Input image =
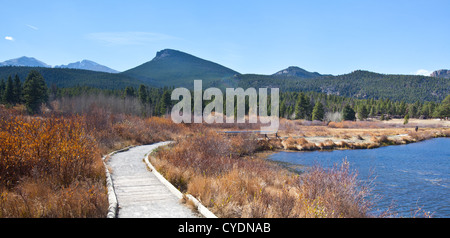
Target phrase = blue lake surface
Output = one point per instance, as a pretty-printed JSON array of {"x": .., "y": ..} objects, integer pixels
[{"x": 407, "y": 177}]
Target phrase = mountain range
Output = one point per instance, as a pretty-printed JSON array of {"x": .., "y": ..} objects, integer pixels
[
  {"x": 32, "y": 62},
  {"x": 25, "y": 61},
  {"x": 172, "y": 68},
  {"x": 88, "y": 65}
]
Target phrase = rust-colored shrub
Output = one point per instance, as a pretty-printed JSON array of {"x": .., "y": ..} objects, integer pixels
[
  {"x": 53, "y": 147},
  {"x": 333, "y": 124},
  {"x": 42, "y": 157}
]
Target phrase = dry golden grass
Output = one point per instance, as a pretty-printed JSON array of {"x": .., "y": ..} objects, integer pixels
[
  {"x": 301, "y": 128},
  {"x": 247, "y": 187},
  {"x": 357, "y": 135},
  {"x": 212, "y": 168}
]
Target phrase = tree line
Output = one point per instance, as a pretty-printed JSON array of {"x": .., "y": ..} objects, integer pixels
[
  {"x": 358, "y": 84},
  {"x": 32, "y": 93},
  {"x": 150, "y": 101},
  {"x": 320, "y": 106}
]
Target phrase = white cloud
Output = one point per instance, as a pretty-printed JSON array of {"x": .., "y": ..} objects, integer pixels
[
  {"x": 128, "y": 38},
  {"x": 423, "y": 72},
  {"x": 32, "y": 27},
  {"x": 10, "y": 38}
]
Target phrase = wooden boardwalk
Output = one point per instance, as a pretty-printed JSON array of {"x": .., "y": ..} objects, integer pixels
[{"x": 139, "y": 192}]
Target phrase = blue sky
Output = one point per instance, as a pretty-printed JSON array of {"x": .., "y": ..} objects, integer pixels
[{"x": 330, "y": 37}]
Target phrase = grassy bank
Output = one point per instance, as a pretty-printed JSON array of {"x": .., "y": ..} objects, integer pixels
[
  {"x": 227, "y": 174},
  {"x": 227, "y": 177},
  {"x": 308, "y": 136}
]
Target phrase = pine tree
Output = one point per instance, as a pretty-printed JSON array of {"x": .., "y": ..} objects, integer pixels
[
  {"x": 412, "y": 111},
  {"x": 348, "y": 114},
  {"x": 402, "y": 108},
  {"x": 302, "y": 107},
  {"x": 129, "y": 92},
  {"x": 299, "y": 107},
  {"x": 308, "y": 108},
  {"x": 372, "y": 111},
  {"x": 318, "y": 112},
  {"x": 165, "y": 103},
  {"x": 8, "y": 95},
  {"x": 34, "y": 91},
  {"x": 2, "y": 89},
  {"x": 283, "y": 108},
  {"x": 290, "y": 111},
  {"x": 443, "y": 110},
  {"x": 17, "y": 90},
  {"x": 142, "y": 94},
  {"x": 362, "y": 112}
]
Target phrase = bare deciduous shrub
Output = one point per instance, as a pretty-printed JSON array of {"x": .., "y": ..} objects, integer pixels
[
  {"x": 333, "y": 116},
  {"x": 50, "y": 167},
  {"x": 335, "y": 192}
]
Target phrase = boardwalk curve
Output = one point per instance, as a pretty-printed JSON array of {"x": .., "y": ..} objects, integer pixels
[{"x": 140, "y": 194}]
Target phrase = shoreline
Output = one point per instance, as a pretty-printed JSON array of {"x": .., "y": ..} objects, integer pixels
[
  {"x": 264, "y": 154},
  {"x": 323, "y": 138},
  {"x": 302, "y": 162}
]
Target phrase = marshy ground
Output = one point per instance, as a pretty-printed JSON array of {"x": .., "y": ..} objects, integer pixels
[{"x": 300, "y": 135}]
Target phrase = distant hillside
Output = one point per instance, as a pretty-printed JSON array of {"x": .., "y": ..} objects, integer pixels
[
  {"x": 64, "y": 78},
  {"x": 25, "y": 61},
  {"x": 88, "y": 65},
  {"x": 176, "y": 68},
  {"x": 443, "y": 73},
  {"x": 294, "y": 71},
  {"x": 359, "y": 84}
]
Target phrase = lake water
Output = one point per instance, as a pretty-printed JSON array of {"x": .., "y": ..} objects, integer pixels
[{"x": 408, "y": 177}]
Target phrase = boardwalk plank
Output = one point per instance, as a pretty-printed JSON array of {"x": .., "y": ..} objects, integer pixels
[{"x": 139, "y": 193}]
